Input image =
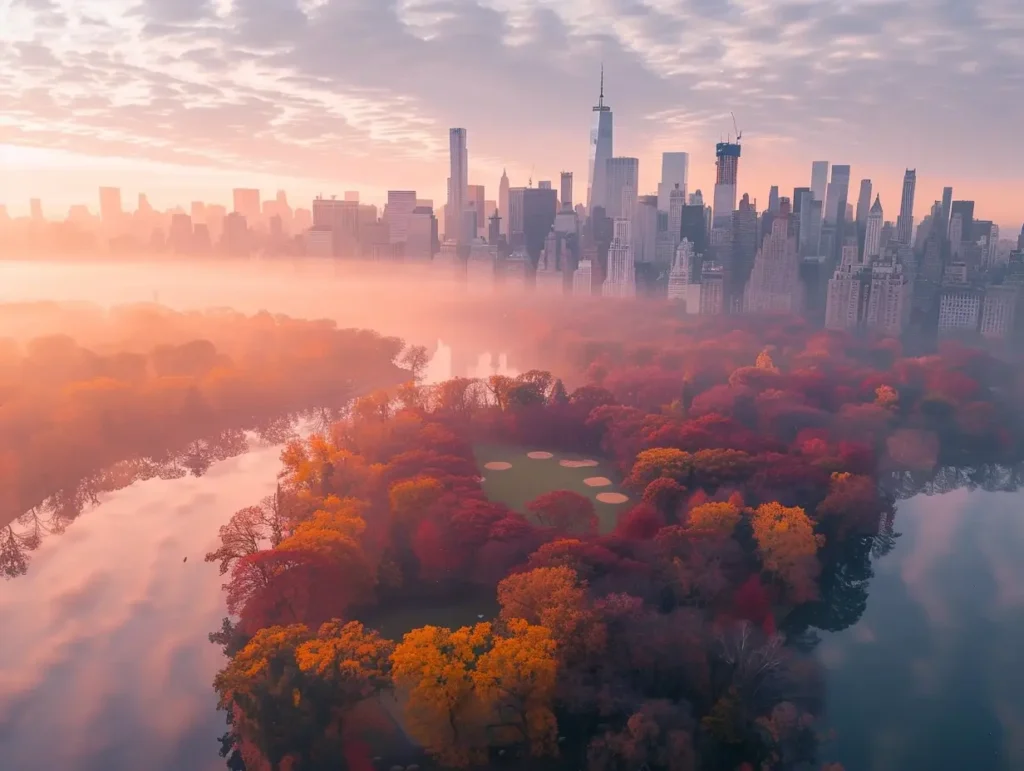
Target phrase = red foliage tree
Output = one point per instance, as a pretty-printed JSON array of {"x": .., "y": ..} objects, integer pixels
[
  {"x": 565, "y": 512},
  {"x": 640, "y": 523}
]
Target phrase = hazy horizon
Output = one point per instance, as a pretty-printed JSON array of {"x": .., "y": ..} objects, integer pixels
[{"x": 186, "y": 102}]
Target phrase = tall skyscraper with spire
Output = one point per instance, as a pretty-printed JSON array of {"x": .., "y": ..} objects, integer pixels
[
  {"x": 503, "y": 202},
  {"x": 873, "y": 231},
  {"x": 905, "y": 221},
  {"x": 600, "y": 151}
]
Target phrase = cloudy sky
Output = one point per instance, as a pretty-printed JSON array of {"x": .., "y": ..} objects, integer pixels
[{"x": 187, "y": 98}]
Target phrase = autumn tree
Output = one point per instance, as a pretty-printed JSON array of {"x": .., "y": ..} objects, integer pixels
[
  {"x": 473, "y": 688},
  {"x": 555, "y": 599},
  {"x": 659, "y": 462},
  {"x": 564, "y": 511},
  {"x": 718, "y": 517},
  {"x": 415, "y": 358},
  {"x": 788, "y": 547},
  {"x": 290, "y": 690}
]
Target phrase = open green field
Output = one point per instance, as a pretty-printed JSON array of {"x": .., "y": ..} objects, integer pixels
[{"x": 526, "y": 478}]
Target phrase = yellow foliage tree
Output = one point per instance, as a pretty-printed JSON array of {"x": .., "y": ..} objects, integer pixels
[
  {"x": 472, "y": 688},
  {"x": 788, "y": 546},
  {"x": 555, "y": 598},
  {"x": 659, "y": 462},
  {"x": 412, "y": 497},
  {"x": 716, "y": 517},
  {"x": 353, "y": 661}
]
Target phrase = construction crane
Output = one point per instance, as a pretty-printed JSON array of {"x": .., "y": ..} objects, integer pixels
[{"x": 739, "y": 134}]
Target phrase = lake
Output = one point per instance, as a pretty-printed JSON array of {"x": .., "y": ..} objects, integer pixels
[
  {"x": 105, "y": 665},
  {"x": 929, "y": 678}
]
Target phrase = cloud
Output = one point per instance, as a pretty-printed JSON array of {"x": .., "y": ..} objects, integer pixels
[{"x": 318, "y": 87}]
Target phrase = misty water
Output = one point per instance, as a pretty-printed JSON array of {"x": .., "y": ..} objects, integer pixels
[{"x": 105, "y": 663}]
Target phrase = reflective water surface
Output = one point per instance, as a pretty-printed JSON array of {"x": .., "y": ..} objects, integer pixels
[
  {"x": 930, "y": 677},
  {"x": 104, "y": 661}
]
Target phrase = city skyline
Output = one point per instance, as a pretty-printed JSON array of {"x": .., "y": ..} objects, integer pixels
[{"x": 299, "y": 119}]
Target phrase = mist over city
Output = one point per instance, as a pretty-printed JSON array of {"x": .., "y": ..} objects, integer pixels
[{"x": 579, "y": 386}]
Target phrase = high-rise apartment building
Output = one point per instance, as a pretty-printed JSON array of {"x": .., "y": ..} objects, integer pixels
[
  {"x": 889, "y": 301},
  {"x": 999, "y": 312},
  {"x": 819, "y": 180},
  {"x": 621, "y": 278},
  {"x": 681, "y": 286},
  {"x": 583, "y": 278},
  {"x": 600, "y": 152},
  {"x": 397, "y": 212},
  {"x": 847, "y": 291},
  {"x": 727, "y": 164},
  {"x": 675, "y": 173},
  {"x": 458, "y": 187},
  {"x": 421, "y": 234},
  {"x": 905, "y": 220},
  {"x": 959, "y": 309},
  {"x": 774, "y": 285}
]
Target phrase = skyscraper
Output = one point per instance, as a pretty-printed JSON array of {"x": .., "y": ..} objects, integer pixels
[
  {"x": 905, "y": 221},
  {"x": 863, "y": 203},
  {"x": 727, "y": 173},
  {"x": 966, "y": 211},
  {"x": 503, "y": 202},
  {"x": 621, "y": 279},
  {"x": 947, "y": 204},
  {"x": 837, "y": 193},
  {"x": 565, "y": 191},
  {"x": 873, "y": 231},
  {"x": 600, "y": 151},
  {"x": 676, "y": 202},
  {"x": 675, "y": 173},
  {"x": 475, "y": 202},
  {"x": 458, "y": 185},
  {"x": 620, "y": 174},
  {"x": 819, "y": 180},
  {"x": 110, "y": 205},
  {"x": 773, "y": 199},
  {"x": 774, "y": 285},
  {"x": 397, "y": 213},
  {"x": 247, "y": 203}
]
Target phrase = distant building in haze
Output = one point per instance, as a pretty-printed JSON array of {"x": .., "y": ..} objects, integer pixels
[{"x": 675, "y": 174}]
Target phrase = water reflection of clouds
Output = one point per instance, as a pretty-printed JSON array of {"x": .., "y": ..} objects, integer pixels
[
  {"x": 936, "y": 520},
  {"x": 104, "y": 641}
]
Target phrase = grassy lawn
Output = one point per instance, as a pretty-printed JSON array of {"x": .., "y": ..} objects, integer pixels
[{"x": 527, "y": 478}]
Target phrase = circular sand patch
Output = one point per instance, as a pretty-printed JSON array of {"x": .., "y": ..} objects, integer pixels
[
  {"x": 539, "y": 455},
  {"x": 497, "y": 465},
  {"x": 597, "y": 481},
  {"x": 612, "y": 498},
  {"x": 577, "y": 463}
]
